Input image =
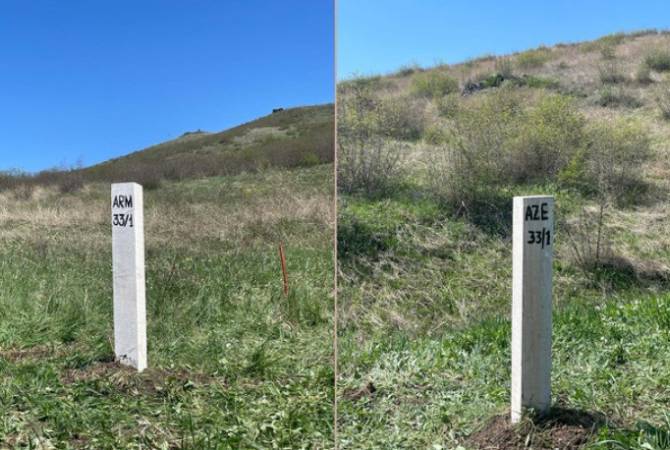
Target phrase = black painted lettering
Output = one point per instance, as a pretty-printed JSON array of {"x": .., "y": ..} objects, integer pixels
[{"x": 122, "y": 201}]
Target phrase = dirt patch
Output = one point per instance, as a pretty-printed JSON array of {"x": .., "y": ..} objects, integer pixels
[
  {"x": 356, "y": 394},
  {"x": 152, "y": 381},
  {"x": 17, "y": 355},
  {"x": 561, "y": 428}
]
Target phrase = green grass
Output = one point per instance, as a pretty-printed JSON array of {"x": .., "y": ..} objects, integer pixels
[
  {"x": 425, "y": 302},
  {"x": 233, "y": 363}
]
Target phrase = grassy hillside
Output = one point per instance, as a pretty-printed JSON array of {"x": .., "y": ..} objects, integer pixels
[
  {"x": 233, "y": 363},
  {"x": 295, "y": 137},
  {"x": 429, "y": 160}
]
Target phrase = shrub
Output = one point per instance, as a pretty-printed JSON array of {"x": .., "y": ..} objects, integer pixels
[
  {"x": 663, "y": 100},
  {"x": 448, "y": 105},
  {"x": 405, "y": 71},
  {"x": 436, "y": 134},
  {"x": 533, "y": 58},
  {"x": 539, "y": 82},
  {"x": 643, "y": 74},
  {"x": 356, "y": 112},
  {"x": 369, "y": 166},
  {"x": 434, "y": 84},
  {"x": 547, "y": 138},
  {"x": 610, "y": 72},
  {"x": 23, "y": 191},
  {"x": 504, "y": 66},
  {"x": 311, "y": 159},
  {"x": 608, "y": 52},
  {"x": 499, "y": 140},
  {"x": 610, "y": 166},
  {"x": 362, "y": 114},
  {"x": 610, "y": 96},
  {"x": 398, "y": 118},
  {"x": 70, "y": 183},
  {"x": 605, "y": 42},
  {"x": 658, "y": 59}
]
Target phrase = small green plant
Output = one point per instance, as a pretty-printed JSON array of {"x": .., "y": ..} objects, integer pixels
[
  {"x": 658, "y": 59},
  {"x": 434, "y": 84}
]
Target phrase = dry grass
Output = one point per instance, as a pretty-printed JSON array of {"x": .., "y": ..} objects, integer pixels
[{"x": 241, "y": 213}]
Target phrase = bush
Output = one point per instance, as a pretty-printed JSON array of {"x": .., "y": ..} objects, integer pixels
[
  {"x": 504, "y": 66},
  {"x": 610, "y": 96},
  {"x": 609, "y": 41},
  {"x": 643, "y": 74},
  {"x": 362, "y": 114},
  {"x": 448, "y": 106},
  {"x": 70, "y": 183},
  {"x": 398, "y": 118},
  {"x": 23, "y": 191},
  {"x": 608, "y": 52},
  {"x": 499, "y": 141},
  {"x": 658, "y": 59},
  {"x": 369, "y": 166},
  {"x": 436, "y": 134},
  {"x": 663, "y": 100},
  {"x": 407, "y": 70},
  {"x": 547, "y": 139},
  {"x": 610, "y": 165},
  {"x": 533, "y": 58},
  {"x": 610, "y": 72},
  {"x": 539, "y": 82},
  {"x": 434, "y": 84}
]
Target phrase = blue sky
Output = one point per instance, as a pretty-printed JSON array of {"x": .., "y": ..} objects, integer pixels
[
  {"x": 379, "y": 36},
  {"x": 91, "y": 80}
]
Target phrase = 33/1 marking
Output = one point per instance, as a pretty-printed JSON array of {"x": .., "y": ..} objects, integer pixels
[
  {"x": 122, "y": 220},
  {"x": 539, "y": 237}
]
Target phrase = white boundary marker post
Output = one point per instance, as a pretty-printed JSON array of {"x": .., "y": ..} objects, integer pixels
[
  {"x": 130, "y": 335},
  {"x": 532, "y": 254}
]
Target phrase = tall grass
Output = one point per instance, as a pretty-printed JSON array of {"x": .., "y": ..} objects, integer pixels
[{"x": 233, "y": 362}]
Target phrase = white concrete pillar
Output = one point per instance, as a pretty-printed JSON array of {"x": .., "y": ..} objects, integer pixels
[
  {"x": 130, "y": 335},
  {"x": 532, "y": 254}
]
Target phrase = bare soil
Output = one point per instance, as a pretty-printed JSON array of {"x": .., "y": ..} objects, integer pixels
[{"x": 561, "y": 428}]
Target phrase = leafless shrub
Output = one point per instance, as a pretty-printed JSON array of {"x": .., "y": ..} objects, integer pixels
[
  {"x": 70, "y": 183},
  {"x": 587, "y": 240},
  {"x": 370, "y": 166},
  {"x": 23, "y": 191}
]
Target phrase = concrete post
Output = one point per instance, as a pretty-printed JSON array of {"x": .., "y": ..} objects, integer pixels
[
  {"x": 532, "y": 249},
  {"x": 130, "y": 336}
]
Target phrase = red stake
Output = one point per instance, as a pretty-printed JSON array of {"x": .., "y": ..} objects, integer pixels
[{"x": 282, "y": 258}]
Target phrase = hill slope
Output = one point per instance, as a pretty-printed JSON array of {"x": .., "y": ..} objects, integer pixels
[
  {"x": 425, "y": 247},
  {"x": 233, "y": 362},
  {"x": 288, "y": 138}
]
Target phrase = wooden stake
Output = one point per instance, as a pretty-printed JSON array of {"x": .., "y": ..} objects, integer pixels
[{"x": 282, "y": 258}]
